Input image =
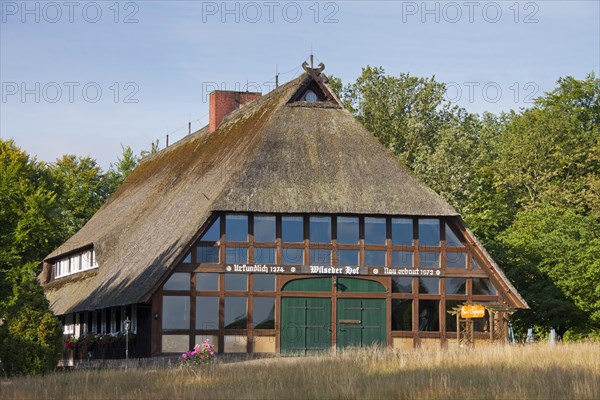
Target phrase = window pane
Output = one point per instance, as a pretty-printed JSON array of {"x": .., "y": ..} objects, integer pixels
[
  {"x": 402, "y": 258},
  {"x": 429, "y": 232},
  {"x": 207, "y": 281},
  {"x": 428, "y": 259},
  {"x": 206, "y": 254},
  {"x": 213, "y": 233},
  {"x": 264, "y": 283},
  {"x": 429, "y": 315},
  {"x": 320, "y": 257},
  {"x": 482, "y": 286},
  {"x": 207, "y": 312},
  {"x": 401, "y": 315},
  {"x": 347, "y": 230},
  {"x": 235, "y": 313},
  {"x": 178, "y": 281},
  {"x": 375, "y": 258},
  {"x": 236, "y": 255},
  {"x": 236, "y": 282},
  {"x": 429, "y": 285},
  {"x": 452, "y": 239},
  {"x": 402, "y": 231},
  {"x": 176, "y": 312},
  {"x": 292, "y": 229},
  {"x": 375, "y": 230},
  {"x": 456, "y": 260},
  {"x": 264, "y": 313},
  {"x": 402, "y": 284},
  {"x": 264, "y": 255},
  {"x": 320, "y": 229},
  {"x": 347, "y": 257},
  {"x": 456, "y": 286},
  {"x": 236, "y": 228},
  {"x": 451, "y": 319},
  {"x": 475, "y": 264},
  {"x": 264, "y": 228},
  {"x": 292, "y": 256},
  {"x": 187, "y": 259}
]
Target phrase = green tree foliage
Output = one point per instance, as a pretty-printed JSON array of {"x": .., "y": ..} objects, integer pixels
[
  {"x": 31, "y": 335},
  {"x": 405, "y": 113},
  {"x": 556, "y": 251},
  {"x": 121, "y": 170},
  {"x": 81, "y": 189},
  {"x": 29, "y": 332},
  {"x": 41, "y": 206},
  {"x": 527, "y": 183}
]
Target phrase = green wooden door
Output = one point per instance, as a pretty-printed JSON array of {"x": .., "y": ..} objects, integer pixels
[
  {"x": 360, "y": 322},
  {"x": 305, "y": 325}
]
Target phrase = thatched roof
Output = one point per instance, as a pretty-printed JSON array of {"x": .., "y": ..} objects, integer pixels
[{"x": 269, "y": 156}]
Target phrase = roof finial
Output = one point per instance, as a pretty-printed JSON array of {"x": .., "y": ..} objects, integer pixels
[{"x": 311, "y": 57}]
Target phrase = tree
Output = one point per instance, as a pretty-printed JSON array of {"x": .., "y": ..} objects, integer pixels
[
  {"x": 553, "y": 255},
  {"x": 405, "y": 113},
  {"x": 550, "y": 153},
  {"x": 121, "y": 170},
  {"x": 81, "y": 189},
  {"x": 29, "y": 332}
]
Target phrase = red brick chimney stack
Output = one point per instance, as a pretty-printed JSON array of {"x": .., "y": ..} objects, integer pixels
[{"x": 222, "y": 102}]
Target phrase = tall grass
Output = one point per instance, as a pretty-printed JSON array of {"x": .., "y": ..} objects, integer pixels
[{"x": 495, "y": 372}]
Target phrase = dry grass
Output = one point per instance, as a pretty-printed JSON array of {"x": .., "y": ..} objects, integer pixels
[{"x": 507, "y": 372}]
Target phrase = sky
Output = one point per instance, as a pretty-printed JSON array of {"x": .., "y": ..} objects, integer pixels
[{"x": 86, "y": 77}]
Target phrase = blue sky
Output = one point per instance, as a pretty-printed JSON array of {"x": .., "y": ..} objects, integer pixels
[{"x": 86, "y": 77}]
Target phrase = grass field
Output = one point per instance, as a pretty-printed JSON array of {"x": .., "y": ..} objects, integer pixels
[{"x": 569, "y": 371}]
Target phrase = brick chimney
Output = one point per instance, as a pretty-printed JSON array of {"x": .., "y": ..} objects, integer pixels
[{"x": 222, "y": 102}]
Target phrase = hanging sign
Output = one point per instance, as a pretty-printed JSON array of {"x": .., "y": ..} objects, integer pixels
[{"x": 472, "y": 311}]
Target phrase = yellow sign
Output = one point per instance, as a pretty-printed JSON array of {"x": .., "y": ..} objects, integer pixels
[{"x": 472, "y": 311}]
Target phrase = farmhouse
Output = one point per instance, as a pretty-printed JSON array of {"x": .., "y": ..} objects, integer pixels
[{"x": 283, "y": 226}]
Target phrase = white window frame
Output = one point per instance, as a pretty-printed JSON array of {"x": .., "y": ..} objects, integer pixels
[{"x": 74, "y": 263}]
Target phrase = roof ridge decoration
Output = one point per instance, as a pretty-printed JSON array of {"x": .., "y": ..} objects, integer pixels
[{"x": 316, "y": 83}]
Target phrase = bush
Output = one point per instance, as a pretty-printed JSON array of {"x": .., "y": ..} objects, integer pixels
[
  {"x": 201, "y": 354},
  {"x": 30, "y": 334}
]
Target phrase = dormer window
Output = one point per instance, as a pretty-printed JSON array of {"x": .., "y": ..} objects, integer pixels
[
  {"x": 311, "y": 96},
  {"x": 74, "y": 263}
]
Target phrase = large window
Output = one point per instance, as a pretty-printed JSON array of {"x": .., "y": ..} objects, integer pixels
[
  {"x": 292, "y": 229},
  {"x": 347, "y": 257},
  {"x": 236, "y": 282},
  {"x": 429, "y": 232},
  {"x": 483, "y": 286},
  {"x": 375, "y": 230},
  {"x": 264, "y": 228},
  {"x": 236, "y": 228},
  {"x": 402, "y": 231},
  {"x": 402, "y": 284},
  {"x": 207, "y": 281},
  {"x": 292, "y": 256},
  {"x": 264, "y": 255},
  {"x": 213, "y": 233},
  {"x": 235, "y": 313},
  {"x": 401, "y": 315},
  {"x": 320, "y": 229},
  {"x": 347, "y": 230},
  {"x": 178, "y": 281},
  {"x": 264, "y": 312},
  {"x": 207, "y": 313},
  {"x": 429, "y": 315},
  {"x": 176, "y": 312}
]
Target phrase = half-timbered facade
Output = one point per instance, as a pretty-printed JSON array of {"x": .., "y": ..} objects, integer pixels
[{"x": 281, "y": 227}]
